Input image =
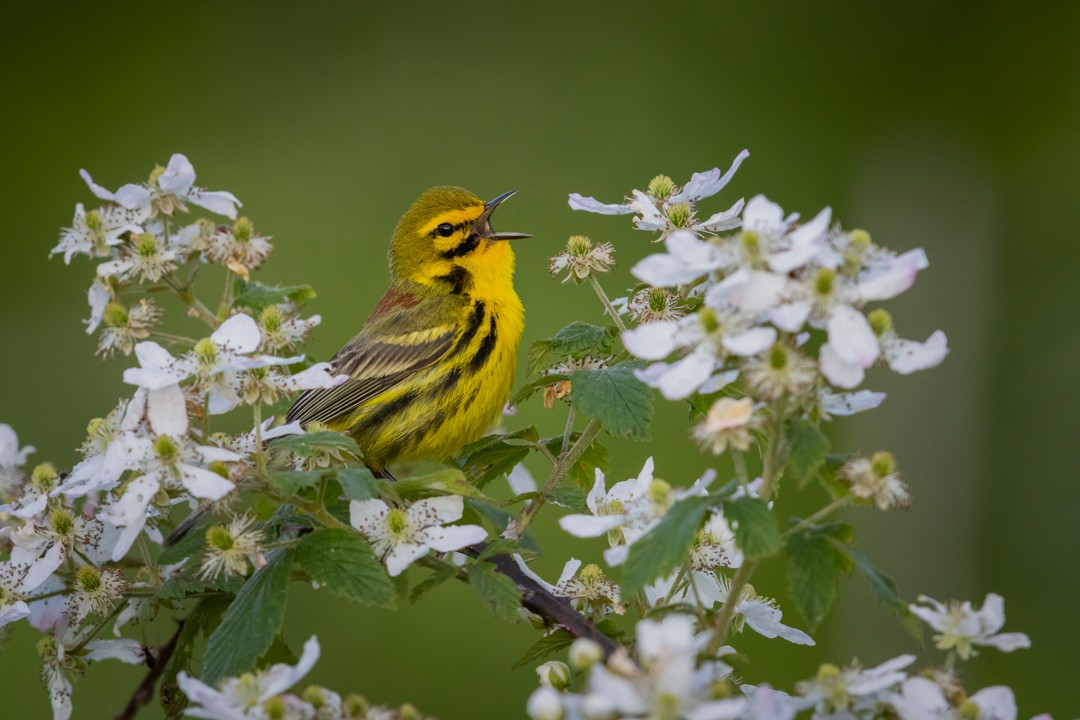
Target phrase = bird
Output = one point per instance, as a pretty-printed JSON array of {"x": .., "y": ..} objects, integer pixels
[{"x": 433, "y": 365}]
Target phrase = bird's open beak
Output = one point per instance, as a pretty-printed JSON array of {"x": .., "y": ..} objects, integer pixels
[{"x": 482, "y": 227}]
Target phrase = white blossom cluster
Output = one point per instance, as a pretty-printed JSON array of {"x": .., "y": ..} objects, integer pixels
[
  {"x": 263, "y": 694},
  {"x": 760, "y": 297},
  {"x": 673, "y": 675},
  {"x": 69, "y": 541}
]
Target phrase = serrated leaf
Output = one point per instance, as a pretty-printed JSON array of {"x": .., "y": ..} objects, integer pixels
[
  {"x": 447, "y": 481},
  {"x": 290, "y": 482},
  {"x": 252, "y": 621},
  {"x": 575, "y": 340},
  {"x": 571, "y": 497},
  {"x": 346, "y": 565},
  {"x": 438, "y": 576},
  {"x": 358, "y": 483},
  {"x": 545, "y": 646},
  {"x": 814, "y": 566},
  {"x": 883, "y": 586},
  {"x": 666, "y": 546},
  {"x": 493, "y": 457},
  {"x": 807, "y": 449},
  {"x": 189, "y": 545},
  {"x": 499, "y": 546},
  {"x": 256, "y": 295},
  {"x": 315, "y": 444},
  {"x": 622, "y": 403},
  {"x": 497, "y": 591},
  {"x": 756, "y": 532}
]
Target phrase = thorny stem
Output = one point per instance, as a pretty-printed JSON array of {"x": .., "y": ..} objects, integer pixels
[
  {"x": 100, "y": 626},
  {"x": 187, "y": 296},
  {"x": 820, "y": 514},
  {"x": 607, "y": 303},
  {"x": 774, "y": 461},
  {"x": 516, "y": 528}
]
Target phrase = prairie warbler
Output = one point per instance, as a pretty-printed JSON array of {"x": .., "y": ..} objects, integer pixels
[{"x": 433, "y": 365}]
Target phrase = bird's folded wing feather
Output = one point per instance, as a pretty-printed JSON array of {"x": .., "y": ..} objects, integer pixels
[{"x": 389, "y": 350}]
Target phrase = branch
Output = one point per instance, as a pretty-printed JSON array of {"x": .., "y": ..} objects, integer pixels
[{"x": 144, "y": 693}]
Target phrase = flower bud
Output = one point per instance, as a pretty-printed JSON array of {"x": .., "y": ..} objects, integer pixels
[
  {"x": 880, "y": 321},
  {"x": 408, "y": 712},
  {"x": 679, "y": 214},
  {"x": 554, "y": 674},
  {"x": 275, "y": 708},
  {"x": 356, "y": 707},
  {"x": 584, "y": 653},
  {"x": 44, "y": 476},
  {"x": 545, "y": 704}
]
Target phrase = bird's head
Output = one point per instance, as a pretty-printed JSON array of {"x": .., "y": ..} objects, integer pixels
[{"x": 445, "y": 242}]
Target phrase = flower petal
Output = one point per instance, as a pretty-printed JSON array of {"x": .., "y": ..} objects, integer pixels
[
  {"x": 850, "y": 403},
  {"x": 651, "y": 341},
  {"x": 806, "y": 241},
  {"x": 402, "y": 555},
  {"x": 706, "y": 184},
  {"x": 838, "y": 371},
  {"x": 588, "y": 204},
  {"x": 687, "y": 375},
  {"x": 908, "y": 356},
  {"x": 851, "y": 336},
  {"x": 453, "y": 537},
  {"x": 167, "y": 410},
  {"x": 895, "y": 279},
  {"x": 749, "y": 290},
  {"x": 790, "y": 317},
  {"x": 590, "y": 526},
  {"x": 239, "y": 333},
  {"x": 179, "y": 175},
  {"x": 751, "y": 342},
  {"x": 204, "y": 483}
]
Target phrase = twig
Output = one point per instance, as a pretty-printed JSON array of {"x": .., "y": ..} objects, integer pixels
[{"x": 144, "y": 693}]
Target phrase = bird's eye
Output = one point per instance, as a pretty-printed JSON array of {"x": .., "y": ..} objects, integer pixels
[{"x": 445, "y": 230}]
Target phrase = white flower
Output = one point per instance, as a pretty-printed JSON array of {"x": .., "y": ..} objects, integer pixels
[
  {"x": 921, "y": 698},
  {"x": 545, "y": 704},
  {"x": 844, "y": 404},
  {"x": 281, "y": 331},
  {"x": 687, "y": 258},
  {"x": 61, "y": 662},
  {"x": 268, "y": 385},
  {"x": 768, "y": 235},
  {"x": 666, "y": 207},
  {"x": 125, "y": 326},
  {"x": 12, "y": 458},
  {"x": 961, "y": 626},
  {"x": 581, "y": 258},
  {"x": 653, "y": 304},
  {"x": 241, "y": 698},
  {"x": 590, "y": 589},
  {"x": 95, "y": 233},
  {"x": 757, "y": 612},
  {"x": 215, "y": 363},
  {"x": 167, "y": 192},
  {"x": 42, "y": 545},
  {"x": 876, "y": 479},
  {"x": 629, "y": 510},
  {"x": 230, "y": 549},
  {"x": 668, "y": 683},
  {"x": 169, "y": 462},
  {"x": 836, "y": 689},
  {"x": 728, "y": 421},
  {"x": 146, "y": 259},
  {"x": 399, "y": 535},
  {"x": 239, "y": 247},
  {"x": 94, "y": 592}
]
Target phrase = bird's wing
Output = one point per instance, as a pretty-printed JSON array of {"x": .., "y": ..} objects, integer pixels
[{"x": 394, "y": 345}]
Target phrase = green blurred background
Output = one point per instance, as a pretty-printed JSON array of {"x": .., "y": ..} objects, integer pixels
[{"x": 951, "y": 126}]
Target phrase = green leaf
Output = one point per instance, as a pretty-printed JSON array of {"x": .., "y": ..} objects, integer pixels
[
  {"x": 571, "y": 497},
  {"x": 495, "y": 456},
  {"x": 343, "y": 562},
  {"x": 814, "y": 565},
  {"x": 497, "y": 591},
  {"x": 190, "y": 544},
  {"x": 545, "y": 646},
  {"x": 756, "y": 532},
  {"x": 808, "y": 449},
  {"x": 290, "y": 482},
  {"x": 438, "y": 576},
  {"x": 316, "y": 444},
  {"x": 883, "y": 586},
  {"x": 252, "y": 621},
  {"x": 575, "y": 340},
  {"x": 256, "y": 295},
  {"x": 446, "y": 481},
  {"x": 666, "y": 546},
  {"x": 501, "y": 546},
  {"x": 358, "y": 483},
  {"x": 622, "y": 403}
]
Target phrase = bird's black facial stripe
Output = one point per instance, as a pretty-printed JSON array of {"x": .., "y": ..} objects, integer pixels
[{"x": 465, "y": 247}]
